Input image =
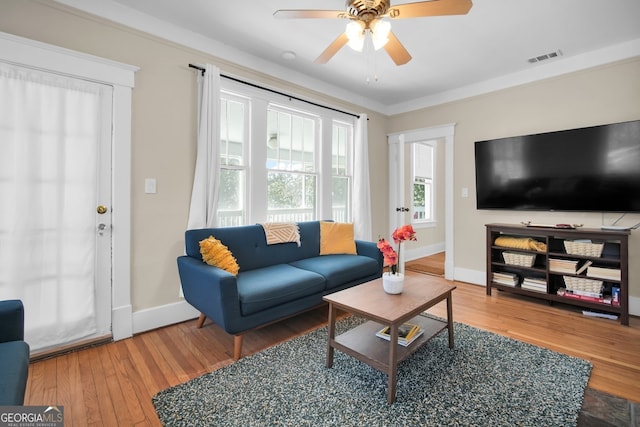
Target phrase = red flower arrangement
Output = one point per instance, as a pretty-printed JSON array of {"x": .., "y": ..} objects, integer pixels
[{"x": 391, "y": 257}]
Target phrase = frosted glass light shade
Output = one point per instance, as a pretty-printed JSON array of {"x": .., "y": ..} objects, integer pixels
[
  {"x": 355, "y": 34},
  {"x": 380, "y": 33}
]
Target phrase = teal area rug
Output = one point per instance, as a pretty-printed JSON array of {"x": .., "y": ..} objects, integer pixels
[{"x": 486, "y": 380}]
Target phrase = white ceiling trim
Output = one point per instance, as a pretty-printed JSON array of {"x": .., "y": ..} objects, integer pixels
[{"x": 537, "y": 72}]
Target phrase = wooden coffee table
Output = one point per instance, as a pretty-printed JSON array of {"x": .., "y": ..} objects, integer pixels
[{"x": 371, "y": 302}]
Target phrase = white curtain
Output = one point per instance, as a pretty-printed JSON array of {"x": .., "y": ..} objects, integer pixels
[
  {"x": 206, "y": 181},
  {"x": 49, "y": 135},
  {"x": 361, "y": 189}
]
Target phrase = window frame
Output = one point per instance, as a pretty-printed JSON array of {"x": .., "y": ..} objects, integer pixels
[
  {"x": 348, "y": 174},
  {"x": 260, "y": 101},
  {"x": 429, "y": 182},
  {"x": 243, "y": 166}
]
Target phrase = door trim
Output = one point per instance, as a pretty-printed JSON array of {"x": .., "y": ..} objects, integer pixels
[{"x": 446, "y": 133}]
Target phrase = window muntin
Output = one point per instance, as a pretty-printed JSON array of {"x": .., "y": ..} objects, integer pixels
[
  {"x": 292, "y": 179},
  {"x": 341, "y": 148},
  {"x": 234, "y": 134},
  {"x": 291, "y": 141},
  {"x": 422, "y": 178}
]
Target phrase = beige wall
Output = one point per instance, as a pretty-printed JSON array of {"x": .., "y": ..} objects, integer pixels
[
  {"x": 163, "y": 134},
  {"x": 164, "y": 131},
  {"x": 597, "y": 96}
]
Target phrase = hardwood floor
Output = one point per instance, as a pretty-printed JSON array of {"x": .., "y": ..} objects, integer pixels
[
  {"x": 433, "y": 264},
  {"x": 112, "y": 384}
]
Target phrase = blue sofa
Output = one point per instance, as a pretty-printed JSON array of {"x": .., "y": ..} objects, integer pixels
[
  {"x": 14, "y": 353},
  {"x": 274, "y": 282}
]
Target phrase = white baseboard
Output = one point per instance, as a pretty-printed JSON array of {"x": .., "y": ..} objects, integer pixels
[
  {"x": 424, "y": 251},
  {"x": 634, "y": 306},
  {"x": 121, "y": 322},
  {"x": 474, "y": 277},
  {"x": 157, "y": 317}
]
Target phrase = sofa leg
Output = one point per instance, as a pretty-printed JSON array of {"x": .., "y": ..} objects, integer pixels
[
  {"x": 237, "y": 346},
  {"x": 201, "y": 320}
]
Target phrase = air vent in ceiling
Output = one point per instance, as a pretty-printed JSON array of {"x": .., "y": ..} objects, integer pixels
[{"x": 545, "y": 56}]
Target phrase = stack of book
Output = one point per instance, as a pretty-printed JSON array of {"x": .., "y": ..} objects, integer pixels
[
  {"x": 407, "y": 333},
  {"x": 507, "y": 279},
  {"x": 604, "y": 273},
  {"x": 563, "y": 265},
  {"x": 534, "y": 284},
  {"x": 586, "y": 296}
]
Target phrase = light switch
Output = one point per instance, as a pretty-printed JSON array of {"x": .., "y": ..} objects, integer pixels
[
  {"x": 150, "y": 186},
  {"x": 465, "y": 192}
]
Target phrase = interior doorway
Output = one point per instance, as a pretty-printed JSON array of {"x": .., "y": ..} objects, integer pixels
[{"x": 398, "y": 203}]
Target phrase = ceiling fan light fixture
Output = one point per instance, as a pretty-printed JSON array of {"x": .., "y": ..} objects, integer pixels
[
  {"x": 355, "y": 34},
  {"x": 380, "y": 30}
]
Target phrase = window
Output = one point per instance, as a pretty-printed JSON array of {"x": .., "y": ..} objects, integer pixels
[
  {"x": 282, "y": 160},
  {"x": 422, "y": 172},
  {"x": 233, "y": 146},
  {"x": 341, "y": 171},
  {"x": 292, "y": 178}
]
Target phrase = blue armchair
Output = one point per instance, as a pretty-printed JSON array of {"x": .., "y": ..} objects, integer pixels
[{"x": 14, "y": 353}]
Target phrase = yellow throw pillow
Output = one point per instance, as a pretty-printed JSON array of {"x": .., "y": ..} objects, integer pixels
[
  {"x": 216, "y": 254},
  {"x": 337, "y": 238}
]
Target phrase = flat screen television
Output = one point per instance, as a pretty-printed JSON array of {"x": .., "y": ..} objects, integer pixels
[{"x": 592, "y": 169}]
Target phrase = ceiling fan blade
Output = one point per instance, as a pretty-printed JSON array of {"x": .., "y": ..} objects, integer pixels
[
  {"x": 304, "y": 14},
  {"x": 430, "y": 8},
  {"x": 396, "y": 50},
  {"x": 334, "y": 47}
]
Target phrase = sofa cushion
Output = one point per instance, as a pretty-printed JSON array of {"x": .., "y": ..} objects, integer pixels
[
  {"x": 14, "y": 369},
  {"x": 339, "y": 269},
  {"x": 268, "y": 287},
  {"x": 337, "y": 238}
]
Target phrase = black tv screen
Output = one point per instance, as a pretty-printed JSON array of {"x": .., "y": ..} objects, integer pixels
[{"x": 588, "y": 169}]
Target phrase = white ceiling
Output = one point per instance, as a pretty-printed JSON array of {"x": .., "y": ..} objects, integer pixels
[{"x": 453, "y": 56}]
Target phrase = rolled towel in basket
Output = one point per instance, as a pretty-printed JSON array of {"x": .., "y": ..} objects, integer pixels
[{"x": 521, "y": 243}]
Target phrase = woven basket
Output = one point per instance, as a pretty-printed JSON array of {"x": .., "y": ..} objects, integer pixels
[
  {"x": 581, "y": 284},
  {"x": 516, "y": 258},
  {"x": 583, "y": 248}
]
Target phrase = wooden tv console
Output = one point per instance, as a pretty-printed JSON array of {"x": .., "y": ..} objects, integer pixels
[{"x": 549, "y": 271}]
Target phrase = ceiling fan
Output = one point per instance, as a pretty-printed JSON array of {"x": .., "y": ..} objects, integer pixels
[{"x": 367, "y": 17}]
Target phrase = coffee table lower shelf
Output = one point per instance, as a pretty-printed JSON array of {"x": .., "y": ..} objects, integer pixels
[{"x": 362, "y": 343}]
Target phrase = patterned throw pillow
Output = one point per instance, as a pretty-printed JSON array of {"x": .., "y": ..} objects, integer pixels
[{"x": 218, "y": 255}]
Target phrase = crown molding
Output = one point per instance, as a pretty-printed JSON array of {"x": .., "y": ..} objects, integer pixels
[
  {"x": 537, "y": 72},
  {"x": 121, "y": 14}
]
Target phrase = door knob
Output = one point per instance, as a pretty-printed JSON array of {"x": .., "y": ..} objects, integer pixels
[{"x": 101, "y": 209}]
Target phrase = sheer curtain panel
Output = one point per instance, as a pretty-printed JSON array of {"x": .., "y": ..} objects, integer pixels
[
  {"x": 206, "y": 181},
  {"x": 361, "y": 188},
  {"x": 50, "y": 128}
]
